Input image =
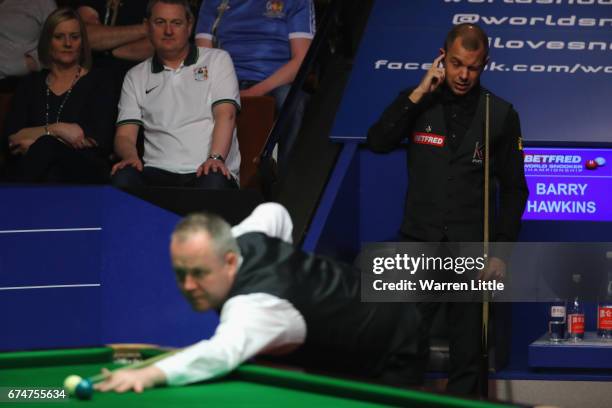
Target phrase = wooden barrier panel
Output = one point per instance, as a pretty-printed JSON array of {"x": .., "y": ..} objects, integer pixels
[{"x": 254, "y": 123}]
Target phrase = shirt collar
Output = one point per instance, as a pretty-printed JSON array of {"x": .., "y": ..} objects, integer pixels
[
  {"x": 466, "y": 100},
  {"x": 157, "y": 65}
]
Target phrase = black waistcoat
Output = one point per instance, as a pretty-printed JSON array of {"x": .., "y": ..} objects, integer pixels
[
  {"x": 343, "y": 333},
  {"x": 445, "y": 187}
]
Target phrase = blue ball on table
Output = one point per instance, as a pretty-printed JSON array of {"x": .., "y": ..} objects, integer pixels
[{"x": 84, "y": 390}]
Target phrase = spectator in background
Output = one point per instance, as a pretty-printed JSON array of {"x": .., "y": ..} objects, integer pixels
[
  {"x": 21, "y": 23},
  {"x": 185, "y": 99},
  {"x": 267, "y": 41},
  {"x": 60, "y": 128},
  {"x": 117, "y": 34}
]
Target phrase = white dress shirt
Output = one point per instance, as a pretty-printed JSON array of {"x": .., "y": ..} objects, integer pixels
[{"x": 249, "y": 324}]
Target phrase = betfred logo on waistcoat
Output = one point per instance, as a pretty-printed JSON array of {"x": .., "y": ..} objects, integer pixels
[{"x": 428, "y": 139}]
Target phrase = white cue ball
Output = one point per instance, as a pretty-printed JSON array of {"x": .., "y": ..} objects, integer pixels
[{"x": 70, "y": 383}]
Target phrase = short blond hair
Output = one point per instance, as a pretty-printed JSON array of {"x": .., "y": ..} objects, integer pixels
[{"x": 44, "y": 42}]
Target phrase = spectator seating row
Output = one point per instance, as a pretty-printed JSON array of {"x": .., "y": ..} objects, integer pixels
[{"x": 253, "y": 124}]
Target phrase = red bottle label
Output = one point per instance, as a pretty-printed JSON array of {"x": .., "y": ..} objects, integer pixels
[
  {"x": 604, "y": 318},
  {"x": 575, "y": 324}
]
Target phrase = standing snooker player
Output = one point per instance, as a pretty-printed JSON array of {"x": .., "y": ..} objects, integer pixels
[
  {"x": 276, "y": 299},
  {"x": 443, "y": 118}
]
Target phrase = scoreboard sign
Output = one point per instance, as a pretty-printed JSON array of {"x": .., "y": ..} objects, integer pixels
[{"x": 568, "y": 184}]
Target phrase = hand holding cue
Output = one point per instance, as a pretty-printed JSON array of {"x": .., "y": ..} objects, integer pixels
[
  {"x": 83, "y": 388},
  {"x": 134, "y": 366}
]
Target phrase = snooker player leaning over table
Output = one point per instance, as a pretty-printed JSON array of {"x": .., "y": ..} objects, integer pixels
[{"x": 274, "y": 298}]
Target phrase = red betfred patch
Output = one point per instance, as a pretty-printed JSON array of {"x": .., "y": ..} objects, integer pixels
[{"x": 428, "y": 139}]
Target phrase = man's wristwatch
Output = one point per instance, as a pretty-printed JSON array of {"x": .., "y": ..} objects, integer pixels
[{"x": 217, "y": 157}]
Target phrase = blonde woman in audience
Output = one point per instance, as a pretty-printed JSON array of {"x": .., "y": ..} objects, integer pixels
[{"x": 62, "y": 120}]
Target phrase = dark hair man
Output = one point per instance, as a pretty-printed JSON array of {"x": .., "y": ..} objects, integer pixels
[
  {"x": 443, "y": 119},
  {"x": 186, "y": 99}
]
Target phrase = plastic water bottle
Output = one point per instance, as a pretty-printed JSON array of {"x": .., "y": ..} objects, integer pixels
[
  {"x": 604, "y": 320},
  {"x": 575, "y": 313},
  {"x": 556, "y": 321},
  {"x": 604, "y": 309}
]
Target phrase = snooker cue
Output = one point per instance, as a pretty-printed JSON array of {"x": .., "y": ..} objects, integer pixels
[
  {"x": 140, "y": 364},
  {"x": 484, "y": 370}
]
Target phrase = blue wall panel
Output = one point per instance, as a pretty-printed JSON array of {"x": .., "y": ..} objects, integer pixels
[{"x": 123, "y": 254}]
